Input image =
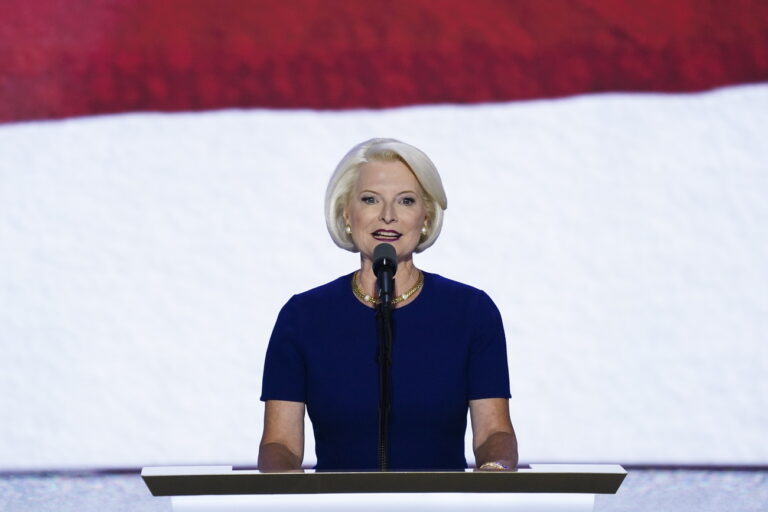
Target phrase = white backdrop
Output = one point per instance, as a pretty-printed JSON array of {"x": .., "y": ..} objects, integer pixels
[{"x": 144, "y": 257}]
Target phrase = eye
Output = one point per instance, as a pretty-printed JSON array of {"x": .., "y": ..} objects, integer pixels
[
  {"x": 368, "y": 199},
  {"x": 408, "y": 201}
]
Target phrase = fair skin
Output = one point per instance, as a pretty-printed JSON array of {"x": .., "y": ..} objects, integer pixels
[{"x": 386, "y": 205}]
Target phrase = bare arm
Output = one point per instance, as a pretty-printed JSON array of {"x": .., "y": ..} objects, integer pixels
[
  {"x": 493, "y": 437},
  {"x": 282, "y": 443}
]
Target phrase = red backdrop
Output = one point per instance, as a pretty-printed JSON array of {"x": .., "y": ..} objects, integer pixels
[{"x": 62, "y": 58}]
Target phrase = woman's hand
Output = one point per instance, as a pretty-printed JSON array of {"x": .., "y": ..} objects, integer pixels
[
  {"x": 282, "y": 443},
  {"x": 493, "y": 437}
]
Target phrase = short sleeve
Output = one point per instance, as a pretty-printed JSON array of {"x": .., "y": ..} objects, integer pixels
[
  {"x": 284, "y": 367},
  {"x": 488, "y": 372}
]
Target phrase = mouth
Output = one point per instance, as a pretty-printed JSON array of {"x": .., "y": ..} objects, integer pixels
[{"x": 386, "y": 235}]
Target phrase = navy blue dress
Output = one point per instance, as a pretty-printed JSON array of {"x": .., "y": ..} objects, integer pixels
[{"x": 448, "y": 348}]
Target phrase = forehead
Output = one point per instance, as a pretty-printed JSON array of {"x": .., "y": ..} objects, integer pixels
[{"x": 386, "y": 176}]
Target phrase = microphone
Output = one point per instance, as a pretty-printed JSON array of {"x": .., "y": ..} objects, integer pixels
[{"x": 384, "y": 267}]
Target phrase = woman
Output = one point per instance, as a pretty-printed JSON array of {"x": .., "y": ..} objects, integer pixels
[{"x": 449, "y": 352}]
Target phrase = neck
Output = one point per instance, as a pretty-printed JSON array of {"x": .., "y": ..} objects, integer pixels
[{"x": 405, "y": 278}]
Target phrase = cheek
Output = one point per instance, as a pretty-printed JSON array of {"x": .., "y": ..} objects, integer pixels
[
  {"x": 358, "y": 218},
  {"x": 365, "y": 215},
  {"x": 418, "y": 216}
]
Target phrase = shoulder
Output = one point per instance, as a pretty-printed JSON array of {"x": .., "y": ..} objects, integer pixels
[
  {"x": 451, "y": 287},
  {"x": 314, "y": 307},
  {"x": 455, "y": 291},
  {"x": 330, "y": 292},
  {"x": 464, "y": 306}
]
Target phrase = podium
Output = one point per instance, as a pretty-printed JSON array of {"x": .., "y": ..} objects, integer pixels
[{"x": 539, "y": 488}]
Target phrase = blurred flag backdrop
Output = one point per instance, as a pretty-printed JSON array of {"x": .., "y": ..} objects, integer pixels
[{"x": 162, "y": 171}]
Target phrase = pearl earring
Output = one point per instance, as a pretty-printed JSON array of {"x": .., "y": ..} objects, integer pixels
[
  {"x": 424, "y": 231},
  {"x": 348, "y": 229}
]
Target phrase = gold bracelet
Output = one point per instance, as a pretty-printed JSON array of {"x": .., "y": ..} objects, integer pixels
[{"x": 494, "y": 465}]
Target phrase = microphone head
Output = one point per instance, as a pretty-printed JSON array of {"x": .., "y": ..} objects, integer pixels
[{"x": 384, "y": 256}]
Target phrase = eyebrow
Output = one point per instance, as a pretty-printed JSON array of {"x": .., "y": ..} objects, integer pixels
[{"x": 399, "y": 193}]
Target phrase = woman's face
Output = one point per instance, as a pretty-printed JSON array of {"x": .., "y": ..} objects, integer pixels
[{"x": 386, "y": 205}]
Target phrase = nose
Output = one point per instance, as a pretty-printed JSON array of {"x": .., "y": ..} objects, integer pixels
[{"x": 388, "y": 213}]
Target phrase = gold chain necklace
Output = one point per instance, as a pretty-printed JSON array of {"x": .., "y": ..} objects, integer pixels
[{"x": 360, "y": 294}]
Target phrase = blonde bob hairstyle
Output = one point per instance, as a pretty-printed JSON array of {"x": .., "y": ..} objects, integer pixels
[{"x": 342, "y": 184}]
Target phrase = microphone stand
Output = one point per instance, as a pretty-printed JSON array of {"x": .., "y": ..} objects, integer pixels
[{"x": 384, "y": 325}]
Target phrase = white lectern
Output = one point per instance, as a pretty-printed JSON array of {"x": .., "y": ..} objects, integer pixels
[{"x": 542, "y": 487}]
